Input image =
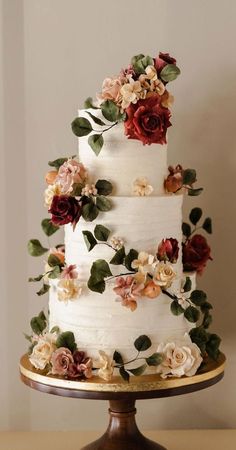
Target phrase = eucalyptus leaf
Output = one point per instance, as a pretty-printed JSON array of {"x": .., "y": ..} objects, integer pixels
[
  {"x": 198, "y": 297},
  {"x": 103, "y": 187},
  {"x": 44, "y": 289},
  {"x": 48, "y": 227},
  {"x": 96, "y": 285},
  {"x": 195, "y": 192},
  {"x": 90, "y": 211},
  {"x": 55, "y": 330},
  {"x": 124, "y": 374},
  {"x": 110, "y": 110},
  {"x": 67, "y": 340},
  {"x": 118, "y": 258},
  {"x": 57, "y": 163},
  {"x": 192, "y": 314},
  {"x": 133, "y": 254},
  {"x": 101, "y": 233},
  {"x": 54, "y": 261},
  {"x": 189, "y": 176},
  {"x": 169, "y": 72},
  {"x": 89, "y": 240},
  {"x": 155, "y": 359},
  {"x": 195, "y": 215},
  {"x": 206, "y": 307},
  {"x": 100, "y": 269},
  {"x": 117, "y": 357},
  {"x": 96, "y": 119},
  {"x": 207, "y": 225},
  {"x": 187, "y": 285},
  {"x": 176, "y": 309},
  {"x": 38, "y": 278},
  {"x": 55, "y": 272},
  {"x": 212, "y": 346},
  {"x": 96, "y": 142},
  {"x": 89, "y": 103},
  {"x": 199, "y": 336},
  {"x": 103, "y": 203},
  {"x": 142, "y": 343},
  {"x": 186, "y": 229},
  {"x": 35, "y": 248},
  {"x": 207, "y": 320},
  {"x": 138, "y": 370},
  {"x": 81, "y": 126},
  {"x": 38, "y": 324},
  {"x": 140, "y": 62}
]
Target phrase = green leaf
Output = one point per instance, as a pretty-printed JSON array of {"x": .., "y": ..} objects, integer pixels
[
  {"x": 189, "y": 176},
  {"x": 81, "y": 126},
  {"x": 57, "y": 163},
  {"x": 198, "y": 297},
  {"x": 35, "y": 248},
  {"x": 42, "y": 315},
  {"x": 96, "y": 119},
  {"x": 89, "y": 240},
  {"x": 199, "y": 336},
  {"x": 103, "y": 203},
  {"x": 169, "y": 72},
  {"x": 38, "y": 278},
  {"x": 207, "y": 225},
  {"x": 55, "y": 330},
  {"x": 186, "y": 229},
  {"x": 66, "y": 339},
  {"x": 38, "y": 323},
  {"x": 96, "y": 285},
  {"x": 138, "y": 370},
  {"x": 77, "y": 189},
  {"x": 55, "y": 272},
  {"x": 28, "y": 337},
  {"x": 137, "y": 58},
  {"x": 176, "y": 309},
  {"x": 48, "y": 227},
  {"x": 195, "y": 215},
  {"x": 110, "y": 110},
  {"x": 101, "y": 233},
  {"x": 187, "y": 285},
  {"x": 89, "y": 103},
  {"x": 117, "y": 357},
  {"x": 124, "y": 374},
  {"x": 90, "y": 212},
  {"x": 140, "y": 62},
  {"x": 207, "y": 320},
  {"x": 142, "y": 343},
  {"x": 54, "y": 261},
  {"x": 191, "y": 314},
  {"x": 118, "y": 258},
  {"x": 155, "y": 359},
  {"x": 101, "y": 269},
  {"x": 133, "y": 254},
  {"x": 96, "y": 142},
  {"x": 44, "y": 289},
  {"x": 212, "y": 346},
  {"x": 206, "y": 307},
  {"x": 195, "y": 192},
  {"x": 104, "y": 187}
]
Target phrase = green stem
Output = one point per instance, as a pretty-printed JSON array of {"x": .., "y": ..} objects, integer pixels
[
  {"x": 120, "y": 275},
  {"x": 107, "y": 129},
  {"x": 106, "y": 243},
  {"x": 173, "y": 297}
]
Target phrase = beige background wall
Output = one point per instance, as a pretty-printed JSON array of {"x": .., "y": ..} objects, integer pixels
[{"x": 55, "y": 53}]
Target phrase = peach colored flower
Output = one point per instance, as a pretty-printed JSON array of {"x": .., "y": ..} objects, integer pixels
[
  {"x": 164, "y": 274},
  {"x": 52, "y": 189},
  {"x": 70, "y": 173},
  {"x": 59, "y": 253},
  {"x": 68, "y": 289},
  {"x": 60, "y": 360},
  {"x": 141, "y": 187},
  {"x": 151, "y": 73},
  {"x": 130, "y": 93},
  {"x": 128, "y": 290},
  {"x": 110, "y": 90},
  {"x": 151, "y": 290},
  {"x": 43, "y": 350},
  {"x": 105, "y": 366},
  {"x": 69, "y": 272},
  {"x": 158, "y": 86},
  {"x": 167, "y": 99},
  {"x": 51, "y": 176}
]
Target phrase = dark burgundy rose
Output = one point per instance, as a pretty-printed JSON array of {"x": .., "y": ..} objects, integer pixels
[
  {"x": 65, "y": 209},
  {"x": 78, "y": 356},
  {"x": 168, "y": 250},
  {"x": 196, "y": 253},
  {"x": 162, "y": 60},
  {"x": 147, "y": 121},
  {"x": 174, "y": 181}
]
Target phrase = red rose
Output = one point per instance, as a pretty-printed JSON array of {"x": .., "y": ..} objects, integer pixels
[
  {"x": 162, "y": 61},
  {"x": 196, "y": 253},
  {"x": 147, "y": 121},
  {"x": 168, "y": 250},
  {"x": 64, "y": 209},
  {"x": 174, "y": 180}
]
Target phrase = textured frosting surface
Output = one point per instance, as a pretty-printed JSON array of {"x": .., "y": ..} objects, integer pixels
[{"x": 122, "y": 160}]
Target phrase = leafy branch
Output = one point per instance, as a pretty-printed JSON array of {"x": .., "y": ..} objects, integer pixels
[{"x": 194, "y": 217}]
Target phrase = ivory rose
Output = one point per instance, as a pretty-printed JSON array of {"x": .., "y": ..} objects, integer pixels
[
  {"x": 43, "y": 350},
  {"x": 164, "y": 274},
  {"x": 181, "y": 357}
]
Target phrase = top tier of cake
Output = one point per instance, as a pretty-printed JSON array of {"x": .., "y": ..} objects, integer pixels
[{"x": 123, "y": 160}]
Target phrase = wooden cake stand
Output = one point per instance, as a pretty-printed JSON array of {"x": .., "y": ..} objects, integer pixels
[{"x": 122, "y": 432}]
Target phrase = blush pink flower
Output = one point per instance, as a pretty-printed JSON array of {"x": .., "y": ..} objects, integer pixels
[
  {"x": 81, "y": 367},
  {"x": 128, "y": 290},
  {"x": 70, "y": 173},
  {"x": 69, "y": 272},
  {"x": 110, "y": 90},
  {"x": 60, "y": 360}
]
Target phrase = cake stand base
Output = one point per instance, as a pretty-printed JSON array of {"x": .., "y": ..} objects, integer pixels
[{"x": 122, "y": 432}]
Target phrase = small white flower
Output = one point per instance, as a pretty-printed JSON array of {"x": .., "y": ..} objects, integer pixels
[
  {"x": 141, "y": 187},
  {"x": 68, "y": 289},
  {"x": 182, "y": 300},
  {"x": 88, "y": 190},
  {"x": 117, "y": 243}
]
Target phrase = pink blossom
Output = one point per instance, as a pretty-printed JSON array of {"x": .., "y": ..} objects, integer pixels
[
  {"x": 71, "y": 172},
  {"x": 61, "y": 359},
  {"x": 69, "y": 272},
  {"x": 129, "y": 290},
  {"x": 110, "y": 90}
]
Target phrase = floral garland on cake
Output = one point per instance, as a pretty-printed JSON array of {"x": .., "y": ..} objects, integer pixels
[{"x": 137, "y": 97}]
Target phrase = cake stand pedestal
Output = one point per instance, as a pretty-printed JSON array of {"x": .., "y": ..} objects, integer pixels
[{"x": 122, "y": 432}]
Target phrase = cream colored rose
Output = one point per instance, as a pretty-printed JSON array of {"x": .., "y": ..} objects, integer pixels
[
  {"x": 68, "y": 289},
  {"x": 151, "y": 73},
  {"x": 52, "y": 189},
  {"x": 141, "y": 187},
  {"x": 105, "y": 366},
  {"x": 110, "y": 90},
  {"x": 43, "y": 350},
  {"x": 181, "y": 358},
  {"x": 130, "y": 93},
  {"x": 164, "y": 274}
]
